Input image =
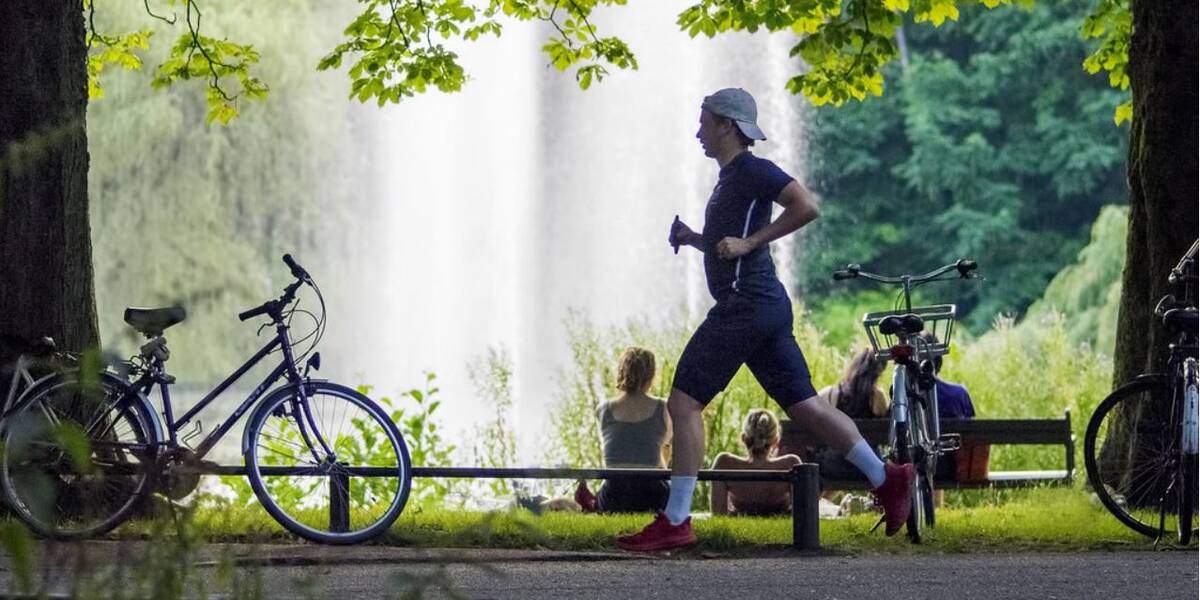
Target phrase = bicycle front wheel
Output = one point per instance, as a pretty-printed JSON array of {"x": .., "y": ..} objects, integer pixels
[
  {"x": 79, "y": 456},
  {"x": 328, "y": 464},
  {"x": 1132, "y": 455}
]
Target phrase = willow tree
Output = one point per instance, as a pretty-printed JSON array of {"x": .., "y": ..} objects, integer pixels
[{"x": 51, "y": 61}]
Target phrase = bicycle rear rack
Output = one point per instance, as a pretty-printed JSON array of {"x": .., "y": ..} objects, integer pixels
[{"x": 939, "y": 320}]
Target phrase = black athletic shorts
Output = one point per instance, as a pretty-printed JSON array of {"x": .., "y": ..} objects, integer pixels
[{"x": 740, "y": 331}]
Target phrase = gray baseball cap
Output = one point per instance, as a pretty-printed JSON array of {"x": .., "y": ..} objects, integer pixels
[{"x": 736, "y": 104}]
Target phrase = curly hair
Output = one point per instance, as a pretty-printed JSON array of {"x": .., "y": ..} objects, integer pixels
[
  {"x": 635, "y": 369},
  {"x": 761, "y": 431}
]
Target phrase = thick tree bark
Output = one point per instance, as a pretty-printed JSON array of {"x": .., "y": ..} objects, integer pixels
[
  {"x": 1162, "y": 225},
  {"x": 46, "y": 280},
  {"x": 1162, "y": 174}
]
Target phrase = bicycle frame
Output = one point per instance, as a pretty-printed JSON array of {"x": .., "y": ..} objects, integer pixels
[
  {"x": 901, "y": 407},
  {"x": 156, "y": 375},
  {"x": 20, "y": 376}
]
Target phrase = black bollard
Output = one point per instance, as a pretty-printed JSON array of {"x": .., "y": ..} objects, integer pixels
[{"x": 806, "y": 517}]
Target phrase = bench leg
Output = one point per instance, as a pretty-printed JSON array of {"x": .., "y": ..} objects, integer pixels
[{"x": 806, "y": 517}]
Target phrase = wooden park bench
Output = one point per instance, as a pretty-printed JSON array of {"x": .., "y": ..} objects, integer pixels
[{"x": 974, "y": 432}]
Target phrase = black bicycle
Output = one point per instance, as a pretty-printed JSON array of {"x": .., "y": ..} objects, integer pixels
[
  {"x": 914, "y": 433},
  {"x": 84, "y": 449},
  {"x": 1141, "y": 444}
]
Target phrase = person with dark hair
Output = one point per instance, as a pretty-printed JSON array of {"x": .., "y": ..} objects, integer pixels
[
  {"x": 751, "y": 322},
  {"x": 760, "y": 436},
  {"x": 636, "y": 432},
  {"x": 954, "y": 402},
  {"x": 858, "y": 394}
]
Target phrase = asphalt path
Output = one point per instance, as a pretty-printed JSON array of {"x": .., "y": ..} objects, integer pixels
[{"x": 375, "y": 572}]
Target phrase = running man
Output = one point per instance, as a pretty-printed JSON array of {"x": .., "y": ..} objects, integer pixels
[{"x": 751, "y": 322}]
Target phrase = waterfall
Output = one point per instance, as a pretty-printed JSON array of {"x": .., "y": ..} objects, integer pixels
[{"x": 505, "y": 205}]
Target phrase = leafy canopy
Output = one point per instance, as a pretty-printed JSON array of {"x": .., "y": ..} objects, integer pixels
[
  {"x": 399, "y": 48},
  {"x": 992, "y": 144}
]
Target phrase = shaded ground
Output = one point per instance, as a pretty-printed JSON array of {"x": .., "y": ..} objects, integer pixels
[{"x": 380, "y": 572}]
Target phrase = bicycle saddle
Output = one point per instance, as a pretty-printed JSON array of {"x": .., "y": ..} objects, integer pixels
[
  {"x": 151, "y": 322},
  {"x": 1181, "y": 318},
  {"x": 908, "y": 324},
  {"x": 37, "y": 347}
]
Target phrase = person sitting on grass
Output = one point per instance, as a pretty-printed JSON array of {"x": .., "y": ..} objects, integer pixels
[
  {"x": 636, "y": 432},
  {"x": 760, "y": 435}
]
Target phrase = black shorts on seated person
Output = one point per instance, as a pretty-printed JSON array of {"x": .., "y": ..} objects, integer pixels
[{"x": 628, "y": 495}]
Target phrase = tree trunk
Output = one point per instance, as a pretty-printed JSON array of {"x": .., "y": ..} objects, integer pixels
[
  {"x": 46, "y": 285},
  {"x": 1162, "y": 175},
  {"x": 1162, "y": 219}
]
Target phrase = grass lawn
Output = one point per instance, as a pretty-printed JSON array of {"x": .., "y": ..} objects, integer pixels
[{"x": 1046, "y": 519}]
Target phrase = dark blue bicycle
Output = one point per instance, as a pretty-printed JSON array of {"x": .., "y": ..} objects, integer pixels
[{"x": 82, "y": 451}]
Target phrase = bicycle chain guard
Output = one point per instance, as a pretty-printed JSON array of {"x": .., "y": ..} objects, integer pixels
[{"x": 179, "y": 471}]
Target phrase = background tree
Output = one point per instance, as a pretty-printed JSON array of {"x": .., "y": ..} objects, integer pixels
[{"x": 992, "y": 143}]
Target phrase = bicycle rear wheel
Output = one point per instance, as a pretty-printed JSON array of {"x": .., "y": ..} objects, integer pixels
[
  {"x": 329, "y": 465},
  {"x": 79, "y": 456},
  {"x": 921, "y": 516},
  {"x": 1132, "y": 455}
]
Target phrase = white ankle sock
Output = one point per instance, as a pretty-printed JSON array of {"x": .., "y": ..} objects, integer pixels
[
  {"x": 863, "y": 457},
  {"x": 679, "y": 505}
]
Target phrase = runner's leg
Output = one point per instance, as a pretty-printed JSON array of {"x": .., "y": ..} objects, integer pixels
[
  {"x": 780, "y": 367},
  {"x": 687, "y": 452}
]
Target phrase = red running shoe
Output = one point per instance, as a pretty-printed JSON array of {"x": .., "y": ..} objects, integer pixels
[
  {"x": 659, "y": 535},
  {"x": 895, "y": 496}
]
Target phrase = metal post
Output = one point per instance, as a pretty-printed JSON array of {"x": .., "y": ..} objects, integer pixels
[
  {"x": 806, "y": 494},
  {"x": 339, "y": 501}
]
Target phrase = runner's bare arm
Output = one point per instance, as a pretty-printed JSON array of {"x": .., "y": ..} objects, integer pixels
[{"x": 798, "y": 211}]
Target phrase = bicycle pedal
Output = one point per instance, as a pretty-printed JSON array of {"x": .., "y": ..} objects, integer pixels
[{"x": 949, "y": 442}]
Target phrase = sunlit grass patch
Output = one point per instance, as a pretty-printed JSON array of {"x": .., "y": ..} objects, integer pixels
[{"x": 1040, "y": 519}]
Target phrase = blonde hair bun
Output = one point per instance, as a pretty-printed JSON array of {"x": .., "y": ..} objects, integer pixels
[{"x": 761, "y": 431}]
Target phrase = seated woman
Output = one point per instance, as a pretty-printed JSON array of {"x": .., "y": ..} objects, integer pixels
[
  {"x": 636, "y": 432},
  {"x": 760, "y": 435},
  {"x": 857, "y": 394}
]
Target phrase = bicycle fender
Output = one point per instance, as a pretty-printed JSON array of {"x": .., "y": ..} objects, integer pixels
[
  {"x": 141, "y": 399},
  {"x": 262, "y": 404}
]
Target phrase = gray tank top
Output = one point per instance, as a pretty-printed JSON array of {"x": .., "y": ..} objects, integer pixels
[{"x": 637, "y": 443}]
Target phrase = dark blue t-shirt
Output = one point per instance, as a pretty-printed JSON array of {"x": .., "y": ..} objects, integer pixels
[
  {"x": 953, "y": 401},
  {"x": 739, "y": 206}
]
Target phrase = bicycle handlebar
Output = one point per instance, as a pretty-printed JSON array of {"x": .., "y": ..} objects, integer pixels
[
  {"x": 274, "y": 307},
  {"x": 963, "y": 266}
]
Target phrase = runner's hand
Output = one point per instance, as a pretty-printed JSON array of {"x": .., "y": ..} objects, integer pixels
[
  {"x": 732, "y": 247},
  {"x": 680, "y": 235}
]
